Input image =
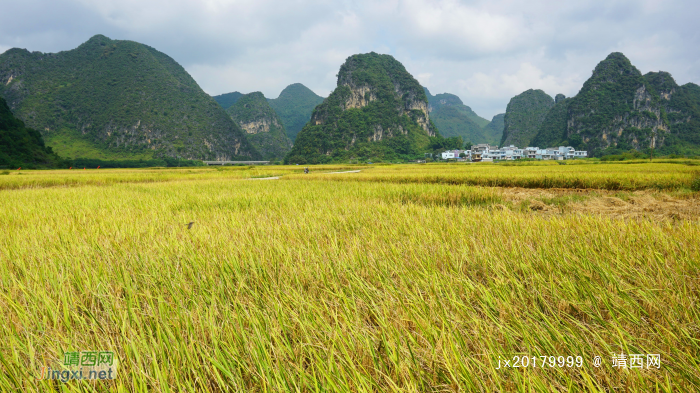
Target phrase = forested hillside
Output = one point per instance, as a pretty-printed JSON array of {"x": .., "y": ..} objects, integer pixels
[
  {"x": 262, "y": 126},
  {"x": 618, "y": 109},
  {"x": 378, "y": 111},
  {"x": 524, "y": 115},
  {"x": 453, "y": 118},
  {"x": 294, "y": 106},
  {"x": 494, "y": 130},
  {"x": 21, "y": 146},
  {"x": 228, "y": 99},
  {"x": 117, "y": 99}
]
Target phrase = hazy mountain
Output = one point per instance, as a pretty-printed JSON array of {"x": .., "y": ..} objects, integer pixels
[
  {"x": 493, "y": 131},
  {"x": 263, "y": 127},
  {"x": 524, "y": 115},
  {"x": 228, "y": 99},
  {"x": 453, "y": 118},
  {"x": 117, "y": 99},
  {"x": 294, "y": 106},
  {"x": 378, "y": 111},
  {"x": 552, "y": 131}
]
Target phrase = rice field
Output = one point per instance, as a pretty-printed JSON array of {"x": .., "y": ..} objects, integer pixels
[
  {"x": 402, "y": 278},
  {"x": 543, "y": 174}
]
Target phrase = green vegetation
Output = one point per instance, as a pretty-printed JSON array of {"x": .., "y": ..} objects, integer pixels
[
  {"x": 494, "y": 130},
  {"x": 165, "y": 162},
  {"x": 524, "y": 115},
  {"x": 619, "y": 110},
  {"x": 70, "y": 143},
  {"x": 438, "y": 144},
  {"x": 377, "y": 112},
  {"x": 552, "y": 131},
  {"x": 264, "y": 129},
  {"x": 228, "y": 99},
  {"x": 21, "y": 146},
  {"x": 440, "y": 101},
  {"x": 615, "y": 97},
  {"x": 454, "y": 119},
  {"x": 294, "y": 106},
  {"x": 681, "y": 106},
  {"x": 630, "y": 155},
  {"x": 346, "y": 283},
  {"x": 121, "y": 98}
]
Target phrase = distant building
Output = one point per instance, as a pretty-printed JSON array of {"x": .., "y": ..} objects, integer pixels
[
  {"x": 559, "y": 153},
  {"x": 449, "y": 154},
  {"x": 485, "y": 152},
  {"x": 456, "y": 155},
  {"x": 546, "y": 154},
  {"x": 530, "y": 152},
  {"x": 482, "y": 151},
  {"x": 511, "y": 153},
  {"x": 483, "y": 148}
]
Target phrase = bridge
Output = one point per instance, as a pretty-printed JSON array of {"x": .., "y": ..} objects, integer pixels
[{"x": 236, "y": 162}]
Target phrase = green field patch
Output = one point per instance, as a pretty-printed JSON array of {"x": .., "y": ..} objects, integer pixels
[{"x": 71, "y": 144}]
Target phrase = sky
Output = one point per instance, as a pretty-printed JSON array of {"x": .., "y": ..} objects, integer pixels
[{"x": 485, "y": 52}]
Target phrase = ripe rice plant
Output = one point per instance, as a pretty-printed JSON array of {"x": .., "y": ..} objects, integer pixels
[
  {"x": 583, "y": 175},
  {"x": 102, "y": 177},
  {"x": 390, "y": 279}
]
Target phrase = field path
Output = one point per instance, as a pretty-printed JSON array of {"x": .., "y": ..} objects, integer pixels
[
  {"x": 357, "y": 171},
  {"x": 277, "y": 177}
]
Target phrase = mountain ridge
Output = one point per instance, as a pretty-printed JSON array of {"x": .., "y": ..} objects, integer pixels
[
  {"x": 294, "y": 106},
  {"x": 21, "y": 146},
  {"x": 524, "y": 115},
  {"x": 619, "y": 109},
  {"x": 264, "y": 129},
  {"x": 494, "y": 129},
  {"x": 227, "y": 99},
  {"x": 454, "y": 119},
  {"x": 377, "y": 111},
  {"x": 118, "y": 98}
]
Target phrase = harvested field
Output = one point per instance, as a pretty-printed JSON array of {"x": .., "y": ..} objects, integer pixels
[{"x": 636, "y": 204}]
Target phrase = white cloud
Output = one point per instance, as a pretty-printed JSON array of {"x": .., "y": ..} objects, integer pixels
[
  {"x": 458, "y": 28},
  {"x": 424, "y": 78},
  {"x": 527, "y": 76}
]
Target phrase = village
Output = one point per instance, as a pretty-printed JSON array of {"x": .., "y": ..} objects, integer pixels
[{"x": 485, "y": 152}]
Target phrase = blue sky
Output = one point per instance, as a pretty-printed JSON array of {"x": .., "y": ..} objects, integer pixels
[{"x": 483, "y": 51}]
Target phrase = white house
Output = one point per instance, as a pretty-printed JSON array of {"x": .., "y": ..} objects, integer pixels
[
  {"x": 512, "y": 153},
  {"x": 530, "y": 152},
  {"x": 455, "y": 154},
  {"x": 482, "y": 152},
  {"x": 486, "y": 152},
  {"x": 568, "y": 153},
  {"x": 446, "y": 155},
  {"x": 547, "y": 154}
]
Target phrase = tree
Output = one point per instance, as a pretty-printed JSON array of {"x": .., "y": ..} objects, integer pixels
[
  {"x": 453, "y": 143},
  {"x": 576, "y": 141}
]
